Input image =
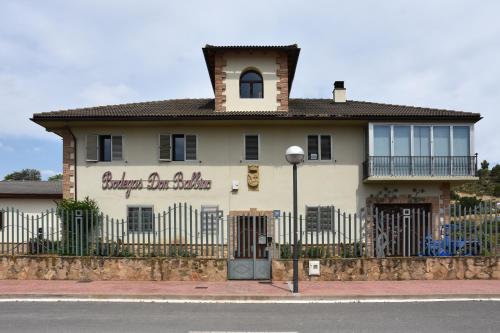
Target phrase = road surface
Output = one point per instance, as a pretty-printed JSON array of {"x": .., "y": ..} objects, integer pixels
[{"x": 166, "y": 317}]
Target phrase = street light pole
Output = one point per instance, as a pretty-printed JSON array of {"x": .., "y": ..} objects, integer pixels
[
  {"x": 295, "y": 235},
  {"x": 295, "y": 155}
]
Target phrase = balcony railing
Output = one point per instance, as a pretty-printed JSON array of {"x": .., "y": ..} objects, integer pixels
[{"x": 408, "y": 166}]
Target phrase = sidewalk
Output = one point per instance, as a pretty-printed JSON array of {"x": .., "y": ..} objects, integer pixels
[{"x": 250, "y": 290}]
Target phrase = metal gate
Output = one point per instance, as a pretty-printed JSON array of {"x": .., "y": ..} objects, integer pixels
[
  {"x": 400, "y": 229},
  {"x": 249, "y": 247}
]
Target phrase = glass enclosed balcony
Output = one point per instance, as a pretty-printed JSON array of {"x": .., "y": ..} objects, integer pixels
[{"x": 402, "y": 150}]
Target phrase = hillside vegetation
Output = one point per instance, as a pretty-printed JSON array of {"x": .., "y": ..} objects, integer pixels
[{"x": 488, "y": 184}]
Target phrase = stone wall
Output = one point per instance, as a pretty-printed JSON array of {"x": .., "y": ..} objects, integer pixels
[
  {"x": 456, "y": 268},
  {"x": 137, "y": 269},
  {"x": 187, "y": 269}
]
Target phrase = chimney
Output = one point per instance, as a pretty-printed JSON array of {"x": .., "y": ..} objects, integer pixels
[{"x": 339, "y": 93}]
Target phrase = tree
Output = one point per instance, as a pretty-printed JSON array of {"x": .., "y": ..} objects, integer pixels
[
  {"x": 495, "y": 173},
  {"x": 485, "y": 165},
  {"x": 59, "y": 176},
  {"x": 483, "y": 172},
  {"x": 24, "y": 174}
]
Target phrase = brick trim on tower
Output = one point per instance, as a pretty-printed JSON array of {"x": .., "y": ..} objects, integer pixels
[
  {"x": 69, "y": 164},
  {"x": 220, "y": 85},
  {"x": 282, "y": 83}
]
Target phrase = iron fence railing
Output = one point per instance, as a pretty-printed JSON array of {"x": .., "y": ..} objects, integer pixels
[
  {"x": 178, "y": 231},
  {"x": 400, "y": 166},
  {"x": 407, "y": 232},
  {"x": 323, "y": 232}
]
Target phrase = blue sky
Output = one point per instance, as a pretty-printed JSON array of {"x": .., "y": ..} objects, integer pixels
[{"x": 65, "y": 54}]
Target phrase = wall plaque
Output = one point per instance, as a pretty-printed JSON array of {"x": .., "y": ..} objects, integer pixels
[{"x": 253, "y": 177}]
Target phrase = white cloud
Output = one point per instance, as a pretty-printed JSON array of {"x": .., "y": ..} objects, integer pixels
[{"x": 61, "y": 54}]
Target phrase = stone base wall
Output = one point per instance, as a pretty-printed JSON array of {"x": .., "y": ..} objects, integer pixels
[
  {"x": 391, "y": 269},
  {"x": 117, "y": 269},
  {"x": 187, "y": 269}
]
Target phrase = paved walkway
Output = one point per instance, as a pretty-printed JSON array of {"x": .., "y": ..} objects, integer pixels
[{"x": 250, "y": 289}]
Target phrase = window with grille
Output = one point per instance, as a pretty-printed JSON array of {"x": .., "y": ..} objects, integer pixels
[
  {"x": 251, "y": 147},
  {"x": 319, "y": 218},
  {"x": 140, "y": 219},
  {"x": 211, "y": 217},
  {"x": 319, "y": 147}
]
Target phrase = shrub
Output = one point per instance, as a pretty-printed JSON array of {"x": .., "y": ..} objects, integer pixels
[
  {"x": 469, "y": 202},
  {"x": 496, "y": 190},
  {"x": 78, "y": 219}
]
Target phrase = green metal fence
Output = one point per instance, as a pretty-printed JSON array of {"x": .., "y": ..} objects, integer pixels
[
  {"x": 180, "y": 231},
  {"x": 323, "y": 232}
]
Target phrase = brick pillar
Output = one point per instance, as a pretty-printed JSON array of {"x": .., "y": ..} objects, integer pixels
[
  {"x": 282, "y": 84},
  {"x": 69, "y": 165},
  {"x": 220, "y": 85}
]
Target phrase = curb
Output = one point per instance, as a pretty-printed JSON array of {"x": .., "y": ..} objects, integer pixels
[{"x": 250, "y": 298}]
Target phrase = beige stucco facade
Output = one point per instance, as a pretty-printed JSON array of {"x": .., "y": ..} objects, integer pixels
[
  {"x": 220, "y": 153},
  {"x": 263, "y": 63}
]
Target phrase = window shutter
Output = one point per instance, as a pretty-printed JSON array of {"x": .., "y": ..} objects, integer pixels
[
  {"x": 319, "y": 218},
  {"x": 165, "y": 148},
  {"x": 190, "y": 147},
  {"x": 92, "y": 148},
  {"x": 312, "y": 147},
  {"x": 251, "y": 147},
  {"x": 326, "y": 147},
  {"x": 117, "y": 148}
]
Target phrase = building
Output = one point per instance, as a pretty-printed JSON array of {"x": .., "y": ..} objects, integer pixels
[
  {"x": 30, "y": 197},
  {"x": 227, "y": 152}
]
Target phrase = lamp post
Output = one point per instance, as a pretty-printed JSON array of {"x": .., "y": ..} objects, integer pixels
[{"x": 295, "y": 155}]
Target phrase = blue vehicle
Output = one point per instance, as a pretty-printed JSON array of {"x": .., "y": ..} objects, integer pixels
[{"x": 450, "y": 245}]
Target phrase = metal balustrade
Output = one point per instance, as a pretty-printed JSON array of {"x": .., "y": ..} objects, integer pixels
[{"x": 423, "y": 166}]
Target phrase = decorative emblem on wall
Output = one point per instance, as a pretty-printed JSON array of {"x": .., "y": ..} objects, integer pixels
[{"x": 253, "y": 177}]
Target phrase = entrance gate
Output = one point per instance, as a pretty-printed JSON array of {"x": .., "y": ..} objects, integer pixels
[{"x": 249, "y": 247}]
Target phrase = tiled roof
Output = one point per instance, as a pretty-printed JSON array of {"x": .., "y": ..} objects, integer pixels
[
  {"x": 203, "y": 109},
  {"x": 32, "y": 189}
]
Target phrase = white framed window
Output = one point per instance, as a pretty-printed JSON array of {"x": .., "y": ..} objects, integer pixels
[
  {"x": 421, "y": 140},
  {"x": 178, "y": 147},
  {"x": 140, "y": 218},
  {"x": 319, "y": 147},
  {"x": 104, "y": 148},
  {"x": 251, "y": 147}
]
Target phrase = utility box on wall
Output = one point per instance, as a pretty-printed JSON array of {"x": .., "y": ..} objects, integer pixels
[{"x": 314, "y": 268}]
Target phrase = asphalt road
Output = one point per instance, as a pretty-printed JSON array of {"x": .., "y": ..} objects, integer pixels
[{"x": 154, "y": 317}]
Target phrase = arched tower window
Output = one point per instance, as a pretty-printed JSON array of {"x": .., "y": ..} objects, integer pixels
[{"x": 251, "y": 85}]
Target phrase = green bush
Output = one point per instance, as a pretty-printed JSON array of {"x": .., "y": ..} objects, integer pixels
[
  {"x": 496, "y": 191},
  {"x": 79, "y": 219},
  {"x": 469, "y": 202},
  {"x": 314, "y": 252}
]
